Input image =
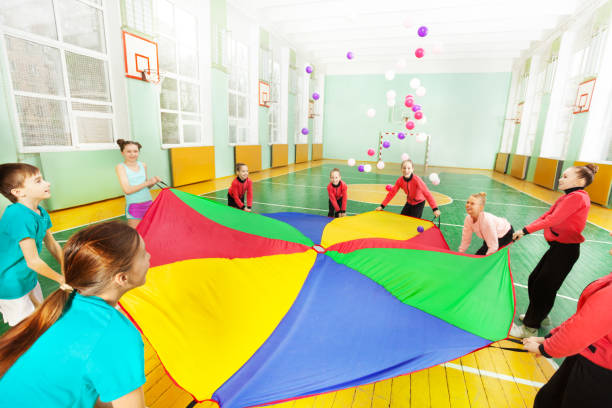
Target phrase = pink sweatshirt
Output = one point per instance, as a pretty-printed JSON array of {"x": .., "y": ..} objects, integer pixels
[{"x": 488, "y": 227}]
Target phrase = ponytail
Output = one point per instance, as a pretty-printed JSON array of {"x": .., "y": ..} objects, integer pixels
[
  {"x": 122, "y": 143},
  {"x": 482, "y": 196},
  {"x": 587, "y": 173},
  {"x": 20, "y": 338}
]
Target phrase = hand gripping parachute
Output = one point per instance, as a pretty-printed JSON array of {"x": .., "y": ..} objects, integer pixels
[{"x": 246, "y": 309}]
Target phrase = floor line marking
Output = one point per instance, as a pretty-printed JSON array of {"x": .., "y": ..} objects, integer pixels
[
  {"x": 520, "y": 285},
  {"x": 494, "y": 375}
]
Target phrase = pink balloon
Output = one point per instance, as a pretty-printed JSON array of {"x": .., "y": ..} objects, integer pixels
[
  {"x": 409, "y": 97},
  {"x": 409, "y": 125},
  {"x": 419, "y": 53},
  {"x": 371, "y": 152},
  {"x": 418, "y": 115},
  {"x": 409, "y": 102},
  {"x": 389, "y": 187}
]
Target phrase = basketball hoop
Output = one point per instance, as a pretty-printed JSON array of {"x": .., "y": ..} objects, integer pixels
[{"x": 154, "y": 77}]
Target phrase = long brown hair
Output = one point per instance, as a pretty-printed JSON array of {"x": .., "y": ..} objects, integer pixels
[{"x": 92, "y": 257}]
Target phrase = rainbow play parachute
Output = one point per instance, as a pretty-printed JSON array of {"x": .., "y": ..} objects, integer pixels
[{"x": 247, "y": 309}]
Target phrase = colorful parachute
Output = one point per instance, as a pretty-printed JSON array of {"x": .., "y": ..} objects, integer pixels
[{"x": 245, "y": 309}]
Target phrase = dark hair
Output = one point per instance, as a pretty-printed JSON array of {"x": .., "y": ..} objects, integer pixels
[
  {"x": 92, "y": 257},
  {"x": 239, "y": 165},
  {"x": 122, "y": 143},
  {"x": 14, "y": 175},
  {"x": 334, "y": 170},
  {"x": 587, "y": 172}
]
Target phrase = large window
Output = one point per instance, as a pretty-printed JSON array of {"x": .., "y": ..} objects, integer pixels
[
  {"x": 59, "y": 73},
  {"x": 180, "y": 98},
  {"x": 301, "y": 109},
  {"x": 275, "y": 105},
  {"x": 238, "y": 92}
]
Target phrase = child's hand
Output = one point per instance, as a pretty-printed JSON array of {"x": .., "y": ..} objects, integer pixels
[
  {"x": 379, "y": 208},
  {"x": 517, "y": 235},
  {"x": 538, "y": 340},
  {"x": 437, "y": 213},
  {"x": 342, "y": 215},
  {"x": 247, "y": 209},
  {"x": 533, "y": 347}
]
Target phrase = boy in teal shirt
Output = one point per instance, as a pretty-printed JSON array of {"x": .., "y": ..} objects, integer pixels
[{"x": 24, "y": 227}]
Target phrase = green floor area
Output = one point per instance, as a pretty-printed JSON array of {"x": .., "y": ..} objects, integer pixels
[{"x": 305, "y": 191}]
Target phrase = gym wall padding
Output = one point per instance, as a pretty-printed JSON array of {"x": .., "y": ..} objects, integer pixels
[
  {"x": 599, "y": 190},
  {"x": 317, "y": 151},
  {"x": 280, "y": 155},
  {"x": 250, "y": 155},
  {"x": 547, "y": 172},
  {"x": 519, "y": 166},
  {"x": 501, "y": 162},
  {"x": 192, "y": 164},
  {"x": 301, "y": 153}
]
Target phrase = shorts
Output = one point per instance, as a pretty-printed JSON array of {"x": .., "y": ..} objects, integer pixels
[
  {"x": 15, "y": 310},
  {"x": 136, "y": 211}
]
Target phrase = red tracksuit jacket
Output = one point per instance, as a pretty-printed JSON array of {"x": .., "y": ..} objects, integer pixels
[
  {"x": 237, "y": 190},
  {"x": 336, "y": 193},
  {"x": 416, "y": 191}
]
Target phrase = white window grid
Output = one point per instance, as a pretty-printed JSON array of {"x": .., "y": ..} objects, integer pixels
[
  {"x": 275, "y": 104},
  {"x": 523, "y": 86},
  {"x": 300, "y": 119},
  {"x": 238, "y": 89},
  {"x": 73, "y": 114},
  {"x": 551, "y": 71},
  {"x": 181, "y": 74},
  {"x": 535, "y": 111},
  {"x": 594, "y": 53}
]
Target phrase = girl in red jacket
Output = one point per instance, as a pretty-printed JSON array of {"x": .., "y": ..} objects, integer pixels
[
  {"x": 416, "y": 193},
  {"x": 584, "y": 378},
  {"x": 562, "y": 225},
  {"x": 336, "y": 190},
  {"x": 241, "y": 186}
]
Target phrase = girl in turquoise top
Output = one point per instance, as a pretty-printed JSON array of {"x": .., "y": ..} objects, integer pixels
[
  {"x": 132, "y": 176},
  {"x": 77, "y": 350}
]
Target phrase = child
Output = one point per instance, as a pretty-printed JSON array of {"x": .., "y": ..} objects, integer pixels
[
  {"x": 23, "y": 229},
  {"x": 416, "y": 193},
  {"x": 132, "y": 176},
  {"x": 77, "y": 349},
  {"x": 496, "y": 232},
  {"x": 240, "y": 186},
  {"x": 336, "y": 189},
  {"x": 563, "y": 225}
]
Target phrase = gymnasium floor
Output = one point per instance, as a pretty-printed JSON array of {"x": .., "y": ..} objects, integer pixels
[{"x": 488, "y": 378}]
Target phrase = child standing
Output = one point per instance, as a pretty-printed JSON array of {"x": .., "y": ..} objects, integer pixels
[
  {"x": 132, "y": 176},
  {"x": 240, "y": 187},
  {"x": 416, "y": 193},
  {"x": 336, "y": 190},
  {"x": 562, "y": 225},
  {"x": 23, "y": 229},
  {"x": 496, "y": 232}
]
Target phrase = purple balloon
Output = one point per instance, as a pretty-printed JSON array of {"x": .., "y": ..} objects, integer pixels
[
  {"x": 386, "y": 144},
  {"x": 416, "y": 108},
  {"x": 420, "y": 228},
  {"x": 315, "y": 96},
  {"x": 422, "y": 31},
  {"x": 308, "y": 69},
  {"x": 304, "y": 131},
  {"x": 401, "y": 136},
  {"x": 361, "y": 168},
  {"x": 350, "y": 55}
]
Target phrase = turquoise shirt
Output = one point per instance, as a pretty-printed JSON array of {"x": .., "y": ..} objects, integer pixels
[
  {"x": 91, "y": 351},
  {"x": 135, "y": 178},
  {"x": 18, "y": 223}
]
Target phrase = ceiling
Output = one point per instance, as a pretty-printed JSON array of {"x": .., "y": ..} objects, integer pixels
[{"x": 489, "y": 34}]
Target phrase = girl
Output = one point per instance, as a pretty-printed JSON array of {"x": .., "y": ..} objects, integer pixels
[
  {"x": 416, "y": 193},
  {"x": 336, "y": 190},
  {"x": 562, "y": 225},
  {"x": 240, "y": 186},
  {"x": 496, "y": 232},
  {"x": 77, "y": 350},
  {"x": 132, "y": 176},
  {"x": 584, "y": 378}
]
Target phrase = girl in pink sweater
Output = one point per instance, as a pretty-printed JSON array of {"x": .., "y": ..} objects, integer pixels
[{"x": 496, "y": 232}]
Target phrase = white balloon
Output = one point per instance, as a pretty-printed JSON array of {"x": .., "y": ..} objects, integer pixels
[
  {"x": 421, "y": 137},
  {"x": 371, "y": 112},
  {"x": 433, "y": 177},
  {"x": 390, "y": 74},
  {"x": 367, "y": 168},
  {"x": 420, "y": 91},
  {"x": 405, "y": 156},
  {"x": 351, "y": 162},
  {"x": 380, "y": 165},
  {"x": 390, "y": 103},
  {"x": 415, "y": 83},
  {"x": 401, "y": 63},
  {"x": 391, "y": 94},
  {"x": 436, "y": 182}
]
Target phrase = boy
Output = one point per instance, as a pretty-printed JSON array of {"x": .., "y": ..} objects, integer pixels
[
  {"x": 336, "y": 190},
  {"x": 240, "y": 187},
  {"x": 23, "y": 228}
]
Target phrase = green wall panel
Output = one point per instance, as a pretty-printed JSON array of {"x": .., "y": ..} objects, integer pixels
[
  {"x": 224, "y": 153},
  {"x": 579, "y": 124}
]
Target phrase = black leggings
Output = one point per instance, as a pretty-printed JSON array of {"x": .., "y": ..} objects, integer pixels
[
  {"x": 577, "y": 383},
  {"x": 501, "y": 242},
  {"x": 332, "y": 211},
  {"x": 414, "y": 210},
  {"x": 547, "y": 278},
  {"x": 232, "y": 203}
]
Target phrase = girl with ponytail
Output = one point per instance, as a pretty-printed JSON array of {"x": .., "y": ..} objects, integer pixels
[
  {"x": 77, "y": 350},
  {"x": 562, "y": 224}
]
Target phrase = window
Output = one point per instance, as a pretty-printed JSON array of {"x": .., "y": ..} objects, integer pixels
[
  {"x": 301, "y": 109},
  {"x": 275, "y": 104},
  {"x": 59, "y": 72},
  {"x": 180, "y": 97},
  {"x": 238, "y": 92}
]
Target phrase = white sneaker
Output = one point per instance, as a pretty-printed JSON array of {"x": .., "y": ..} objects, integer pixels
[
  {"x": 545, "y": 322},
  {"x": 522, "y": 331}
]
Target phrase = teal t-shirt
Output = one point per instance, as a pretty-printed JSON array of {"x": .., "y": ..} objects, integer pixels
[
  {"x": 91, "y": 351},
  {"x": 17, "y": 223}
]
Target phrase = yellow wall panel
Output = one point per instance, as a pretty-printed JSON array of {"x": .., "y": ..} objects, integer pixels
[
  {"x": 519, "y": 166},
  {"x": 501, "y": 162},
  {"x": 546, "y": 172},
  {"x": 317, "y": 151},
  {"x": 250, "y": 155},
  {"x": 192, "y": 164},
  {"x": 280, "y": 155},
  {"x": 599, "y": 190},
  {"x": 301, "y": 153}
]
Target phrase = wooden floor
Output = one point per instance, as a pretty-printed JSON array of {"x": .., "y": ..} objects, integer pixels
[{"x": 487, "y": 378}]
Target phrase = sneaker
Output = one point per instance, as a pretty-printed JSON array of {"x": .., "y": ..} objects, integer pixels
[
  {"x": 545, "y": 322},
  {"x": 522, "y": 331}
]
